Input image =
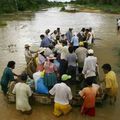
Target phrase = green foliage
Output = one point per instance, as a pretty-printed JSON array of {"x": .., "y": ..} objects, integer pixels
[
  {"x": 109, "y": 6},
  {"x": 110, "y": 2},
  {"x": 8, "y": 6}
]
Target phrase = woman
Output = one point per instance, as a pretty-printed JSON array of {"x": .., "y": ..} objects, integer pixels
[
  {"x": 41, "y": 59},
  {"x": 50, "y": 78}
]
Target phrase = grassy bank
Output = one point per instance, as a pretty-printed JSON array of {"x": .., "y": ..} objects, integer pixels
[
  {"x": 115, "y": 9},
  {"x": 11, "y": 12}
]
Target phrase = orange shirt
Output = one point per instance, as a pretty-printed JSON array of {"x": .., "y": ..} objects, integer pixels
[{"x": 88, "y": 94}]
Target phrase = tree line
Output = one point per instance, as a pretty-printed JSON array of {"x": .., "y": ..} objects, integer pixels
[
  {"x": 8, "y": 6},
  {"x": 109, "y": 2}
]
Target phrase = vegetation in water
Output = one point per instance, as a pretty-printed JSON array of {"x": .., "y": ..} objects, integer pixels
[{"x": 2, "y": 23}]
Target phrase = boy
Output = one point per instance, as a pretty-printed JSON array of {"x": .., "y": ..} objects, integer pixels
[
  {"x": 23, "y": 92},
  {"x": 89, "y": 95}
]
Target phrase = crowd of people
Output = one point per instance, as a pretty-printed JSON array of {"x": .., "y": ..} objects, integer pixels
[{"x": 64, "y": 59}]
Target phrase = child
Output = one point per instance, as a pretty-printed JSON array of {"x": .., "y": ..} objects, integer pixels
[
  {"x": 89, "y": 94},
  {"x": 23, "y": 92}
]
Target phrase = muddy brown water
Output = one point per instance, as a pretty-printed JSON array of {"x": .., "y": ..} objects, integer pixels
[{"x": 23, "y": 29}]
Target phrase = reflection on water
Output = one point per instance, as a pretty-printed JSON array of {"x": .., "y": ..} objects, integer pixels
[{"x": 21, "y": 31}]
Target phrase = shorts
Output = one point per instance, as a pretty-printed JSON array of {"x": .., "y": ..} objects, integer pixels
[{"x": 60, "y": 109}]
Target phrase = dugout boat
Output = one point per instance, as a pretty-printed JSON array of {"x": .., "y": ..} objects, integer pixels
[{"x": 47, "y": 99}]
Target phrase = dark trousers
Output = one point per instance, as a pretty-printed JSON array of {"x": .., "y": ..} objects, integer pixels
[
  {"x": 84, "y": 82},
  {"x": 72, "y": 72},
  {"x": 63, "y": 66},
  {"x": 4, "y": 88}
]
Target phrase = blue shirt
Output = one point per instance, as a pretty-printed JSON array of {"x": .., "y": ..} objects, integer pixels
[
  {"x": 69, "y": 36},
  {"x": 45, "y": 42},
  {"x": 7, "y": 76},
  {"x": 75, "y": 41}
]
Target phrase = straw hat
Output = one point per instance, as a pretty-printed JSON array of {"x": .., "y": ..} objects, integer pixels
[
  {"x": 51, "y": 57},
  {"x": 65, "y": 77},
  {"x": 90, "y": 51}
]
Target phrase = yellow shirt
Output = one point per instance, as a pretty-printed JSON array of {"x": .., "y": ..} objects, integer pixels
[{"x": 111, "y": 82}]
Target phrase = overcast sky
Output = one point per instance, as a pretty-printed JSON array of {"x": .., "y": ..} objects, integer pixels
[{"x": 61, "y": 0}]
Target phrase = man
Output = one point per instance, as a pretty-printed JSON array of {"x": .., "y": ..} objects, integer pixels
[
  {"x": 118, "y": 24},
  {"x": 53, "y": 35},
  {"x": 23, "y": 92},
  {"x": 45, "y": 41},
  {"x": 63, "y": 58},
  {"x": 90, "y": 66},
  {"x": 28, "y": 53},
  {"x": 62, "y": 96},
  {"x": 75, "y": 41},
  {"x": 7, "y": 76},
  {"x": 69, "y": 35},
  {"x": 111, "y": 84},
  {"x": 81, "y": 53}
]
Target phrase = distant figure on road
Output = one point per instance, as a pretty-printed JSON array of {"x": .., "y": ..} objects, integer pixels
[{"x": 118, "y": 24}]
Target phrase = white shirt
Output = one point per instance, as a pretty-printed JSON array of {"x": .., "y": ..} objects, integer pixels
[
  {"x": 118, "y": 22},
  {"x": 64, "y": 52},
  {"x": 62, "y": 93},
  {"x": 89, "y": 39},
  {"x": 22, "y": 92},
  {"x": 89, "y": 68},
  {"x": 58, "y": 48}
]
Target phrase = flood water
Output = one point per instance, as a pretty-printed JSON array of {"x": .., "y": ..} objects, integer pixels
[{"x": 22, "y": 29}]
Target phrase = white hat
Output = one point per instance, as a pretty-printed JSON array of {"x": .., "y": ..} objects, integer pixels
[
  {"x": 41, "y": 49},
  {"x": 90, "y": 51},
  {"x": 51, "y": 57}
]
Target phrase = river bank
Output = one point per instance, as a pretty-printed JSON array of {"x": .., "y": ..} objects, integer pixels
[{"x": 94, "y": 8}]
